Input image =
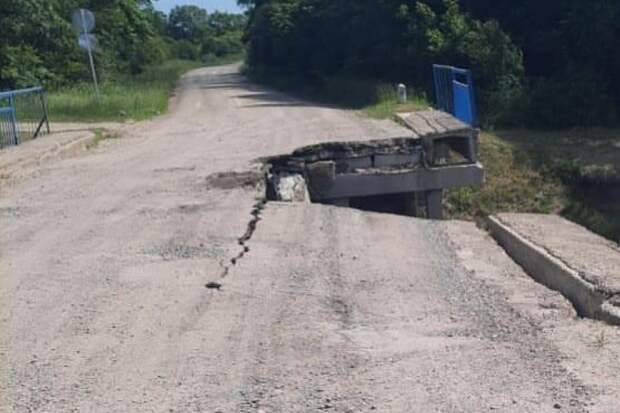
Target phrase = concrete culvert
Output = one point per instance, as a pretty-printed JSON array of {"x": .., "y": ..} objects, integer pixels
[{"x": 393, "y": 176}]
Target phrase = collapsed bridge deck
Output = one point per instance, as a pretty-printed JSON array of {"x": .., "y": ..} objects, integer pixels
[{"x": 439, "y": 154}]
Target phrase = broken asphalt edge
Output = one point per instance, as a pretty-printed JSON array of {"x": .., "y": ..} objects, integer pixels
[{"x": 588, "y": 299}]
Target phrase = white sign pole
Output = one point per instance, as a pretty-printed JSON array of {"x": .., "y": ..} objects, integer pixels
[{"x": 90, "y": 55}]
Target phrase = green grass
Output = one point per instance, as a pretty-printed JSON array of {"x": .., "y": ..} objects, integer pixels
[
  {"x": 126, "y": 98},
  {"x": 586, "y": 155},
  {"x": 101, "y": 135},
  {"x": 587, "y": 162},
  {"x": 387, "y": 104},
  {"x": 513, "y": 184}
]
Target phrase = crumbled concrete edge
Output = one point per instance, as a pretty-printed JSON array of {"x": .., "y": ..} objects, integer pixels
[
  {"x": 289, "y": 187},
  {"x": 589, "y": 300}
]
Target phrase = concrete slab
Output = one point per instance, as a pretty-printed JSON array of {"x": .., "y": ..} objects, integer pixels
[
  {"x": 433, "y": 123},
  {"x": 566, "y": 257},
  {"x": 439, "y": 131},
  {"x": 66, "y": 139}
]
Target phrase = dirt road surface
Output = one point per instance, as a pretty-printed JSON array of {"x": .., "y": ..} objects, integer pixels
[{"x": 105, "y": 258}]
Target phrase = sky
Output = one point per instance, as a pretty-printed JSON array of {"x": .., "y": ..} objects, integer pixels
[{"x": 209, "y": 5}]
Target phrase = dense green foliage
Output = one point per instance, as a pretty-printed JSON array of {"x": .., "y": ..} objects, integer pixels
[
  {"x": 38, "y": 44},
  {"x": 546, "y": 63},
  {"x": 571, "y": 56}
]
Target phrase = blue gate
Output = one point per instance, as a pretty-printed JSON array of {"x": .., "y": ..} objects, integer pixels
[
  {"x": 454, "y": 93},
  {"x": 23, "y": 113}
]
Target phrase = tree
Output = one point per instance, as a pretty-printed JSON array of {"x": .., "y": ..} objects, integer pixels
[
  {"x": 560, "y": 71},
  {"x": 570, "y": 56},
  {"x": 187, "y": 23},
  {"x": 40, "y": 46},
  {"x": 220, "y": 23}
]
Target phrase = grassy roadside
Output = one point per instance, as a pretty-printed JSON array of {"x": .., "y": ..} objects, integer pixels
[
  {"x": 126, "y": 98},
  {"x": 574, "y": 173},
  {"x": 376, "y": 99},
  {"x": 138, "y": 97},
  {"x": 513, "y": 184}
]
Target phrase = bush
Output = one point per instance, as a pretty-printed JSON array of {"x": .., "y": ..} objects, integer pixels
[
  {"x": 21, "y": 67},
  {"x": 186, "y": 50},
  {"x": 225, "y": 44},
  {"x": 498, "y": 68},
  {"x": 567, "y": 101},
  {"x": 155, "y": 50}
]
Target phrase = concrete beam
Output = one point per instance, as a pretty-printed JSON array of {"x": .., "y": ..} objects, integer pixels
[
  {"x": 434, "y": 204},
  {"x": 382, "y": 183},
  {"x": 411, "y": 204},
  {"x": 351, "y": 164},
  {"x": 348, "y": 165},
  {"x": 381, "y": 160}
]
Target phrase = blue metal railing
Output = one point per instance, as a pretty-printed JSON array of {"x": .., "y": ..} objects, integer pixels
[
  {"x": 23, "y": 113},
  {"x": 8, "y": 132},
  {"x": 454, "y": 93}
]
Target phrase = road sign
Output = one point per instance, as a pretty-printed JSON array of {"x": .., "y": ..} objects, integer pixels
[
  {"x": 87, "y": 41},
  {"x": 84, "y": 21}
]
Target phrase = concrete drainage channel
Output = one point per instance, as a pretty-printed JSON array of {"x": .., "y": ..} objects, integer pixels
[{"x": 565, "y": 257}]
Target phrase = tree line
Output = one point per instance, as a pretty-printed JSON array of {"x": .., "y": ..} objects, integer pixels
[
  {"x": 553, "y": 63},
  {"x": 39, "y": 46}
]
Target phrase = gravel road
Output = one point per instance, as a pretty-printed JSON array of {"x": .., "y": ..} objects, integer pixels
[{"x": 104, "y": 260}]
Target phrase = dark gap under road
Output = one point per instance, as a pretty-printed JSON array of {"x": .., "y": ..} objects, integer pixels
[{"x": 398, "y": 204}]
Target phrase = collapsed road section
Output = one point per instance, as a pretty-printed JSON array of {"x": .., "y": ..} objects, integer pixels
[{"x": 408, "y": 173}]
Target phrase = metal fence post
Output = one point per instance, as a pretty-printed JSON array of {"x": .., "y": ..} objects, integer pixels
[
  {"x": 14, "y": 125},
  {"x": 472, "y": 94},
  {"x": 45, "y": 112}
]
